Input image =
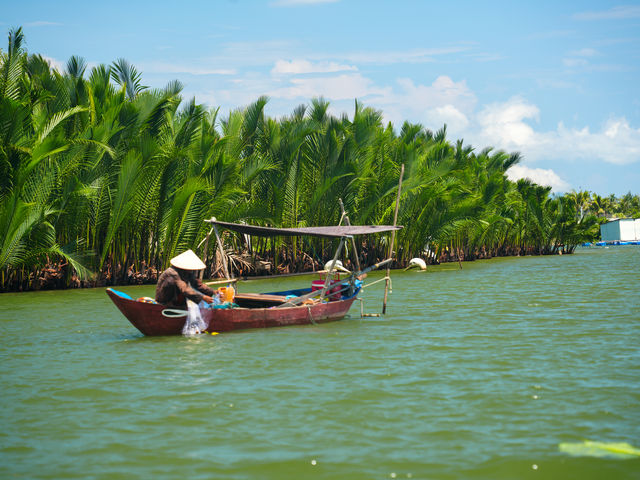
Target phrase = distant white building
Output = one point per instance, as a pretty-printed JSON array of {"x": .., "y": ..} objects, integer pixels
[{"x": 621, "y": 230}]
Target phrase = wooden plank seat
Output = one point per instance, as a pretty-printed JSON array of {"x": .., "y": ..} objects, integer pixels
[{"x": 258, "y": 300}]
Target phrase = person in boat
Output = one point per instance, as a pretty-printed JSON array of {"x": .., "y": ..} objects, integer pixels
[{"x": 180, "y": 281}]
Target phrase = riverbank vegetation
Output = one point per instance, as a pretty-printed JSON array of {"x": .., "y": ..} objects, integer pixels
[{"x": 103, "y": 180}]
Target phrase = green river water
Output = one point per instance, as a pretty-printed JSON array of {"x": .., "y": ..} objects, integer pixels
[{"x": 479, "y": 373}]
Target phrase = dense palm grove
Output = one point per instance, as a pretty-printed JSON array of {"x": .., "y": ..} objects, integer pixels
[{"x": 103, "y": 180}]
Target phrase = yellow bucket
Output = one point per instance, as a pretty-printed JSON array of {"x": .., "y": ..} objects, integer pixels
[{"x": 227, "y": 294}]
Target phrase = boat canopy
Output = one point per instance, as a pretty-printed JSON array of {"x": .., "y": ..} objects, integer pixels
[{"x": 327, "y": 232}]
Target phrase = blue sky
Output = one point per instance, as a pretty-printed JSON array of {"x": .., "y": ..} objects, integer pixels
[{"x": 558, "y": 82}]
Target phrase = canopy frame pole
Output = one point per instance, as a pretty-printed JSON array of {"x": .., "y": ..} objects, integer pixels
[
  {"x": 327, "y": 280},
  {"x": 353, "y": 240},
  {"x": 222, "y": 282},
  {"x": 206, "y": 247},
  {"x": 393, "y": 239},
  {"x": 221, "y": 250},
  {"x": 297, "y": 300}
]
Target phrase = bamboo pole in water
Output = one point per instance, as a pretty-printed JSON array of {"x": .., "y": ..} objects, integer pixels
[{"x": 393, "y": 239}]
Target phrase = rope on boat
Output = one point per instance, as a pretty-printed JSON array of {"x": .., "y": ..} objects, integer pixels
[
  {"x": 310, "y": 315},
  {"x": 174, "y": 313},
  {"x": 362, "y": 314},
  {"x": 389, "y": 284},
  {"x": 378, "y": 281}
]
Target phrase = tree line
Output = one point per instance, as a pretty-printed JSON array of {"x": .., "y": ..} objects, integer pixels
[
  {"x": 103, "y": 180},
  {"x": 604, "y": 208}
]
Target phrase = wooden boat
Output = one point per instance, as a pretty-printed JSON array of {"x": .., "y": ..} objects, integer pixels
[
  {"x": 252, "y": 311},
  {"x": 312, "y": 305}
]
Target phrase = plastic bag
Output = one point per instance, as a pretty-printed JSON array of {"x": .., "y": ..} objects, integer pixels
[{"x": 195, "y": 324}]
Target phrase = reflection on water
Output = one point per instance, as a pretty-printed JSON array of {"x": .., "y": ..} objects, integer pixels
[{"x": 475, "y": 373}]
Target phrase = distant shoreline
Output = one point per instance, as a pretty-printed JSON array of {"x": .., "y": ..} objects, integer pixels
[{"x": 53, "y": 276}]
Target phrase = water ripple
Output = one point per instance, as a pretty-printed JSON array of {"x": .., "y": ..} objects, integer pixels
[{"x": 473, "y": 373}]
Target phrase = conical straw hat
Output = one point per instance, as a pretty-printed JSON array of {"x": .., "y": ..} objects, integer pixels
[{"x": 188, "y": 261}]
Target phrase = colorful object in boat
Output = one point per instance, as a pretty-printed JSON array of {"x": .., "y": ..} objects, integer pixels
[{"x": 227, "y": 294}]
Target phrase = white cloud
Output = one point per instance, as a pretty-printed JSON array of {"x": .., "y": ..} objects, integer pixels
[
  {"x": 487, "y": 57},
  {"x": 455, "y": 120},
  {"x": 511, "y": 125},
  {"x": 253, "y": 55},
  {"x": 444, "y": 101},
  {"x": 341, "y": 87},
  {"x": 540, "y": 176},
  {"x": 504, "y": 123},
  {"x": 615, "y": 13},
  {"x": 577, "y": 58},
  {"x": 202, "y": 69},
  {"x": 443, "y": 91},
  {"x": 55, "y": 64},
  {"x": 575, "y": 62},
  {"x": 553, "y": 82},
  {"x": 305, "y": 66},
  {"x": 617, "y": 143},
  {"x": 585, "y": 52},
  {"x": 403, "y": 56},
  {"x": 504, "y": 126}
]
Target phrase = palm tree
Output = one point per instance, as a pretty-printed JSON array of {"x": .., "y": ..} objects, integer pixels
[
  {"x": 106, "y": 174},
  {"x": 32, "y": 142}
]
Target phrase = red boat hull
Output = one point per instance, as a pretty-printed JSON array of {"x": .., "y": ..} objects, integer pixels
[{"x": 149, "y": 319}]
